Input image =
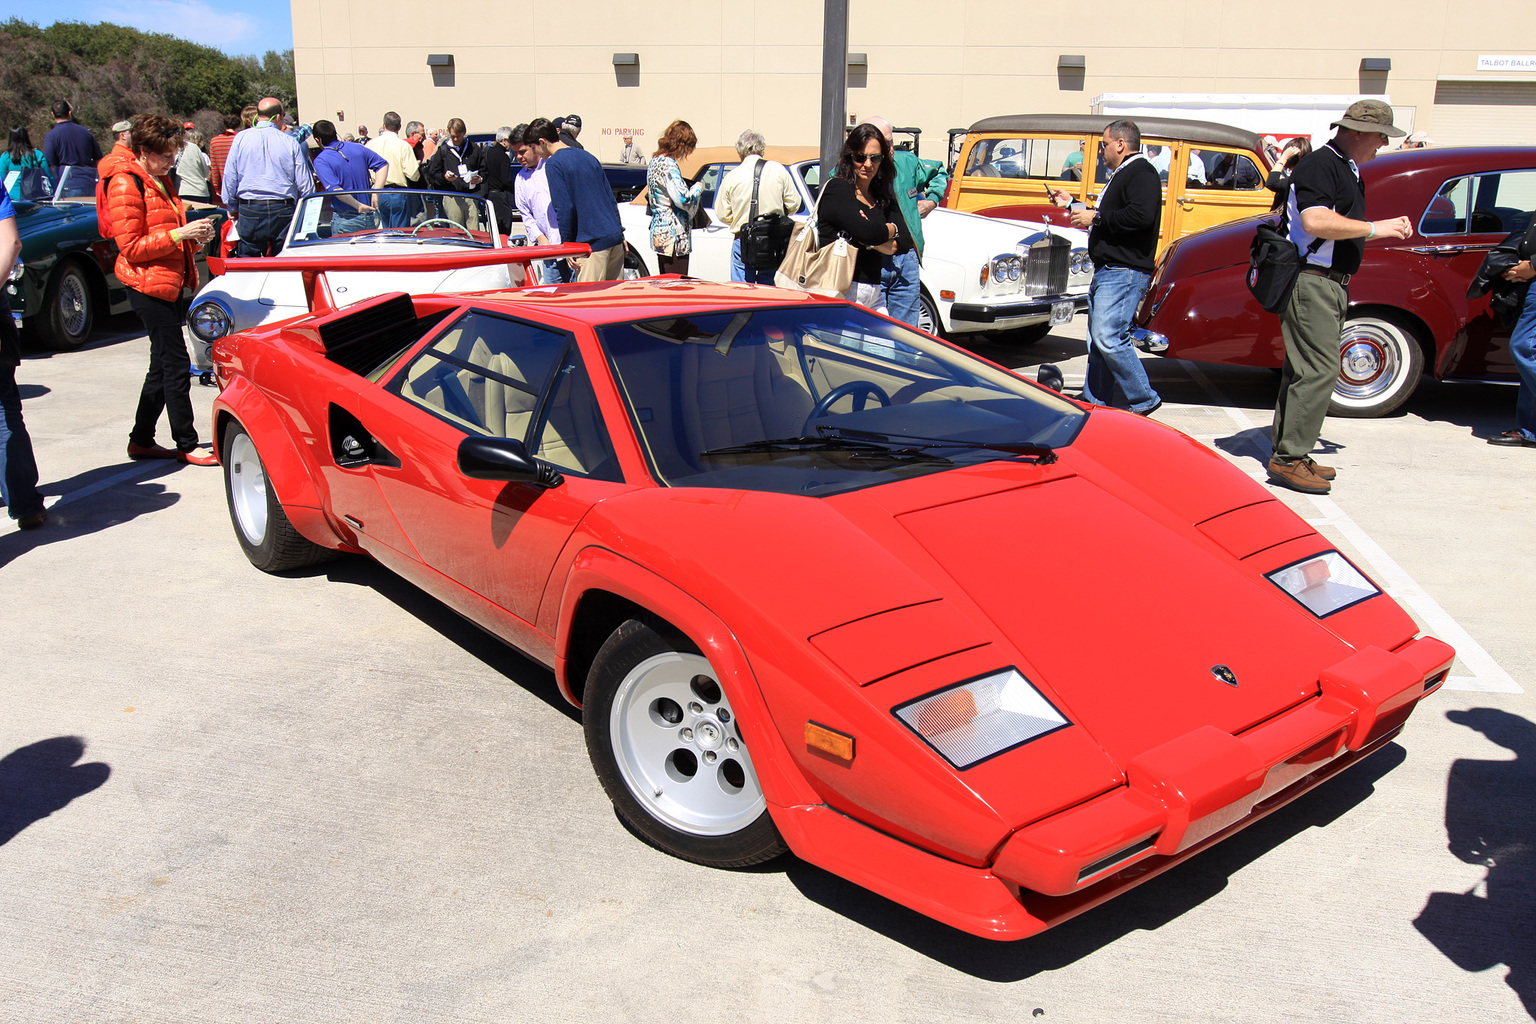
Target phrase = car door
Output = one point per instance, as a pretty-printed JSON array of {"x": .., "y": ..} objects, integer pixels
[
  {"x": 492, "y": 375},
  {"x": 711, "y": 259},
  {"x": 1220, "y": 184},
  {"x": 1467, "y": 217},
  {"x": 1012, "y": 176}
]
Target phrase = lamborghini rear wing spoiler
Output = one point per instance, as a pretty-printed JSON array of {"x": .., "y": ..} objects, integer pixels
[{"x": 317, "y": 289}]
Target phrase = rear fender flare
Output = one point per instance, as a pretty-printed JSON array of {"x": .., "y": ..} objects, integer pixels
[{"x": 597, "y": 568}]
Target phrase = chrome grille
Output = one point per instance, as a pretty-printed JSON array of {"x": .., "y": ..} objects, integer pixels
[{"x": 1045, "y": 266}]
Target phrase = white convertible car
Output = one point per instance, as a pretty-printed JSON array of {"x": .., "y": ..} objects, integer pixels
[
  {"x": 328, "y": 223},
  {"x": 979, "y": 273}
]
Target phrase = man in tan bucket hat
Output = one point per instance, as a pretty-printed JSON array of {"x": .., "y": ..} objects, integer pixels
[{"x": 1325, "y": 218}]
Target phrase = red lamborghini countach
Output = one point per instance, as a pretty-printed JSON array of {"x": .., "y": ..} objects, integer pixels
[{"x": 784, "y": 553}]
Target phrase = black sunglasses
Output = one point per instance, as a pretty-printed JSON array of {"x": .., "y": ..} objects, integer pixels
[{"x": 861, "y": 158}]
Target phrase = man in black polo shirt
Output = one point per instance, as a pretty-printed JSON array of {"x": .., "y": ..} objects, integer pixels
[
  {"x": 1325, "y": 217},
  {"x": 1122, "y": 242}
]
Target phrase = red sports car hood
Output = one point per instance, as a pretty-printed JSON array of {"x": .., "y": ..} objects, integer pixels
[{"x": 1122, "y": 615}]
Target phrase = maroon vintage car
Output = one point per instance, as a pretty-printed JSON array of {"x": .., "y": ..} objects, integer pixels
[{"x": 1408, "y": 311}]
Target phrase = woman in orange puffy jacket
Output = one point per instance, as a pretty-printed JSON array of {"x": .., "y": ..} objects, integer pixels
[{"x": 155, "y": 246}]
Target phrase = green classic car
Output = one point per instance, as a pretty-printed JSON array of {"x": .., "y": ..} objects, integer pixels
[{"x": 64, "y": 279}]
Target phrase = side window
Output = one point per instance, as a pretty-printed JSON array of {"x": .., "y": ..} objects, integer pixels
[
  {"x": 1221, "y": 169},
  {"x": 485, "y": 374},
  {"x": 811, "y": 172},
  {"x": 1447, "y": 212},
  {"x": 1502, "y": 203},
  {"x": 1047, "y": 159},
  {"x": 571, "y": 432},
  {"x": 710, "y": 175}
]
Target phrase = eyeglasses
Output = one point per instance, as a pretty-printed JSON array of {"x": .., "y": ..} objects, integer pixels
[{"x": 873, "y": 158}]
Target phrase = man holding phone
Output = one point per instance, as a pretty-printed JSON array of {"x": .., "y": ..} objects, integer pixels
[{"x": 1122, "y": 242}]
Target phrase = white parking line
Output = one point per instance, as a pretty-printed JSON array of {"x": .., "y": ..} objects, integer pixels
[
  {"x": 138, "y": 469},
  {"x": 1488, "y": 676}
]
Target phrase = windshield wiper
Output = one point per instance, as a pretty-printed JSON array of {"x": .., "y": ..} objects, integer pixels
[
  {"x": 871, "y": 449},
  {"x": 1039, "y": 453}
]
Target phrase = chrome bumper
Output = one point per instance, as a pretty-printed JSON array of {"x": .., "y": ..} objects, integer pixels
[{"x": 1149, "y": 341}]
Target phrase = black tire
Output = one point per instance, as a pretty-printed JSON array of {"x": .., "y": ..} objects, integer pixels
[
  {"x": 1380, "y": 363},
  {"x": 648, "y": 689},
  {"x": 262, "y": 528},
  {"x": 634, "y": 265},
  {"x": 1029, "y": 335},
  {"x": 928, "y": 317},
  {"x": 69, "y": 308}
]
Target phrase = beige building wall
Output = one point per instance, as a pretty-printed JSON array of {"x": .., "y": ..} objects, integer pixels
[{"x": 724, "y": 66}]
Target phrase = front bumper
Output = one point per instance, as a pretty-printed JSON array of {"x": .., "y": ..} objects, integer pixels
[
  {"x": 1179, "y": 798},
  {"x": 1002, "y": 313}
]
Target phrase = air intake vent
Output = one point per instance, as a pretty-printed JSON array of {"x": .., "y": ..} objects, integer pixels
[{"x": 1116, "y": 859}]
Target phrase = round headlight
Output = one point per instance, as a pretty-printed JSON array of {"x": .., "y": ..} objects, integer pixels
[
  {"x": 1015, "y": 268},
  {"x": 208, "y": 321},
  {"x": 16, "y": 271}
]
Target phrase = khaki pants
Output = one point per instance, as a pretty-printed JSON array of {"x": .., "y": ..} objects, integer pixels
[
  {"x": 604, "y": 265},
  {"x": 462, "y": 211},
  {"x": 1311, "y": 323}
]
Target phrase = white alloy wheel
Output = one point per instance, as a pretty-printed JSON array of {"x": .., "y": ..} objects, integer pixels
[
  {"x": 248, "y": 489},
  {"x": 678, "y": 748}
]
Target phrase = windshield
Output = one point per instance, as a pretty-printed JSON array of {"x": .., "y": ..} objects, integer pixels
[
  {"x": 819, "y": 401},
  {"x": 395, "y": 215}
]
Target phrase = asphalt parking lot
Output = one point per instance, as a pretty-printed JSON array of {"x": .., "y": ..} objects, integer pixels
[{"x": 227, "y": 796}]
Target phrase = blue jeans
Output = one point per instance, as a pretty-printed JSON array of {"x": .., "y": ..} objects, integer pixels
[
  {"x": 394, "y": 208},
  {"x": 741, "y": 272},
  {"x": 1115, "y": 374},
  {"x": 1522, "y": 348},
  {"x": 903, "y": 291},
  {"x": 263, "y": 226},
  {"x": 556, "y": 272},
  {"x": 18, "y": 467}
]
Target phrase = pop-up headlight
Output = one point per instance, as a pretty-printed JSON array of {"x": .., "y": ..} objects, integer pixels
[
  {"x": 970, "y": 722},
  {"x": 1324, "y": 583}
]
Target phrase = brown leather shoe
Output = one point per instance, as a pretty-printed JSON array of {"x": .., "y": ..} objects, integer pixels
[
  {"x": 1298, "y": 475},
  {"x": 1326, "y": 472},
  {"x": 33, "y": 521}
]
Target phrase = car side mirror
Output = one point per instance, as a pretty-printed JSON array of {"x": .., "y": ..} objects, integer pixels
[{"x": 502, "y": 458}]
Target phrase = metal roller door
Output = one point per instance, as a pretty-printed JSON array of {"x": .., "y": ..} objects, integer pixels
[{"x": 1484, "y": 113}]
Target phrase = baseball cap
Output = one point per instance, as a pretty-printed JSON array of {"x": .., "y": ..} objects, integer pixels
[
  {"x": 1420, "y": 139},
  {"x": 1369, "y": 116},
  {"x": 122, "y": 126},
  {"x": 571, "y": 121},
  {"x": 189, "y": 124}
]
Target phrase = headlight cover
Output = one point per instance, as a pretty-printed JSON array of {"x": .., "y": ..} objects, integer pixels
[
  {"x": 1324, "y": 583},
  {"x": 16, "y": 271},
  {"x": 972, "y": 721},
  {"x": 209, "y": 321}
]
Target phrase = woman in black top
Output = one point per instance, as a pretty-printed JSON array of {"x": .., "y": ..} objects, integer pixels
[
  {"x": 1279, "y": 180},
  {"x": 859, "y": 204}
]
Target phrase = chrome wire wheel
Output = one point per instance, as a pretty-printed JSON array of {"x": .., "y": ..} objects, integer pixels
[
  {"x": 678, "y": 748},
  {"x": 74, "y": 304},
  {"x": 248, "y": 489}
]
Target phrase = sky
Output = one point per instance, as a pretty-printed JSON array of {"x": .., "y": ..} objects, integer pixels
[{"x": 250, "y": 26}]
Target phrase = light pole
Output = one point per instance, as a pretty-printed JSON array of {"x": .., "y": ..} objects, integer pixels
[{"x": 834, "y": 83}]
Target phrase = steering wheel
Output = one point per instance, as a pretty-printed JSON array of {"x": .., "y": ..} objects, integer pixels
[
  {"x": 863, "y": 389},
  {"x": 443, "y": 222}
]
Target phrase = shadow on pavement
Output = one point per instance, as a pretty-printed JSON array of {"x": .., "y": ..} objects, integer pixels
[
  {"x": 1490, "y": 820},
  {"x": 505, "y": 660},
  {"x": 109, "y": 330},
  {"x": 41, "y": 778},
  {"x": 1145, "y": 908},
  {"x": 31, "y": 391},
  {"x": 71, "y": 519},
  {"x": 1484, "y": 409}
]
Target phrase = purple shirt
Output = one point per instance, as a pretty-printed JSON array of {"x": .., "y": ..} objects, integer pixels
[
  {"x": 265, "y": 163},
  {"x": 534, "y": 204}
]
